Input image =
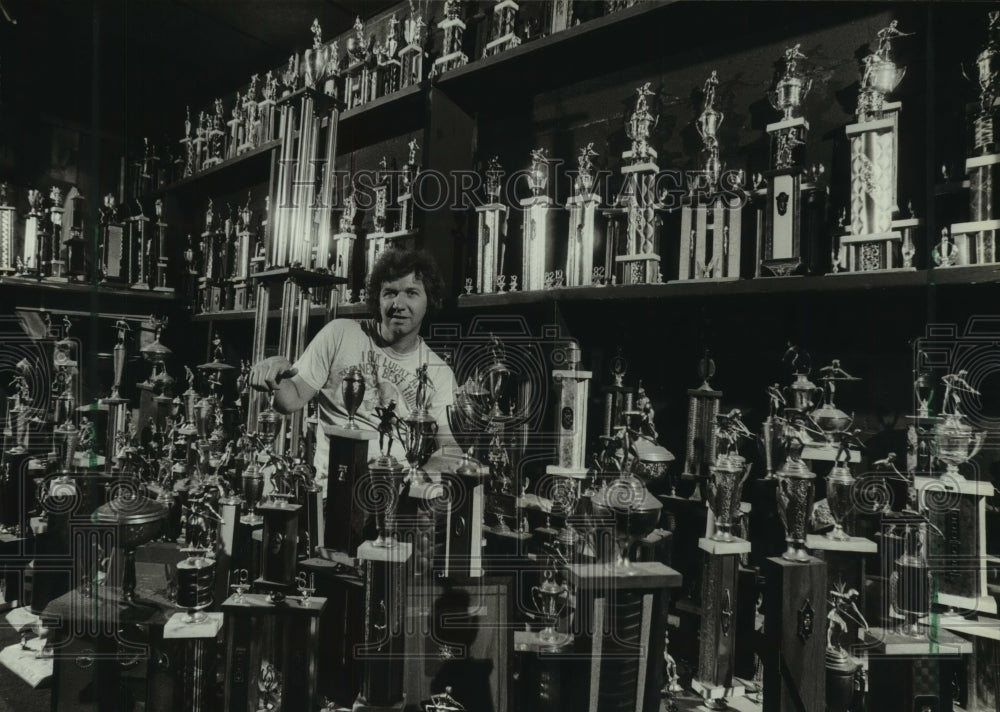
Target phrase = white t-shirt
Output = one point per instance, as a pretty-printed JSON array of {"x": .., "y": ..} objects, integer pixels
[{"x": 346, "y": 343}]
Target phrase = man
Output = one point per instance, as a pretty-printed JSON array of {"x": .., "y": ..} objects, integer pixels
[{"x": 403, "y": 288}]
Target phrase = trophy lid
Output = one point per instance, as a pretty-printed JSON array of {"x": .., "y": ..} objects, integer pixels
[
  {"x": 549, "y": 585},
  {"x": 650, "y": 452}
]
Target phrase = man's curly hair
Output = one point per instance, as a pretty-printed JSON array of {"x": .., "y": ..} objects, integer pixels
[{"x": 395, "y": 264}]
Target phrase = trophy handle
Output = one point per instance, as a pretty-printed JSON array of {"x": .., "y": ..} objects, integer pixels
[
  {"x": 977, "y": 443},
  {"x": 893, "y": 590},
  {"x": 536, "y": 598},
  {"x": 781, "y": 494}
]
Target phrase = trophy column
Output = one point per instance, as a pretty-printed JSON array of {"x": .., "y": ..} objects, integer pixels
[
  {"x": 623, "y": 615},
  {"x": 573, "y": 390},
  {"x": 504, "y": 19},
  {"x": 385, "y": 572},
  {"x": 8, "y": 214},
  {"x": 717, "y": 649},
  {"x": 411, "y": 56},
  {"x": 56, "y": 267},
  {"x": 343, "y": 247},
  {"x": 271, "y": 661},
  {"x": 29, "y": 262},
  {"x": 794, "y": 650},
  {"x": 140, "y": 250}
]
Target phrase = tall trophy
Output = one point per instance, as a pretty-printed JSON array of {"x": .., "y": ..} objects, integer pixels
[
  {"x": 343, "y": 245},
  {"x": 550, "y": 599},
  {"x": 117, "y": 406},
  {"x": 975, "y": 242},
  {"x": 420, "y": 429},
  {"x": 703, "y": 410},
  {"x": 538, "y": 215},
  {"x": 502, "y": 28},
  {"x": 490, "y": 239},
  {"x": 29, "y": 262},
  {"x": 879, "y": 238},
  {"x": 582, "y": 236},
  {"x": 794, "y": 198},
  {"x": 636, "y": 200},
  {"x": 411, "y": 56},
  {"x": 711, "y": 221},
  {"x": 453, "y": 29},
  {"x": 796, "y": 485},
  {"x": 55, "y": 252}
]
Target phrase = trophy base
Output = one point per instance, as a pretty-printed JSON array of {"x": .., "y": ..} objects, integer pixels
[
  {"x": 854, "y": 544},
  {"x": 252, "y": 520}
]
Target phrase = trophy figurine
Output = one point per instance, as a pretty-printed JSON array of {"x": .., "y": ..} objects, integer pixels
[
  {"x": 418, "y": 430},
  {"x": 955, "y": 442},
  {"x": 841, "y": 667},
  {"x": 728, "y": 474},
  {"x": 352, "y": 389},
  {"x": 795, "y": 497}
]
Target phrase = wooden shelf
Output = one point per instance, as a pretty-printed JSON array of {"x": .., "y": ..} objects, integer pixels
[
  {"x": 248, "y": 314},
  {"x": 251, "y": 160},
  {"x": 854, "y": 282},
  {"x": 53, "y": 286}
]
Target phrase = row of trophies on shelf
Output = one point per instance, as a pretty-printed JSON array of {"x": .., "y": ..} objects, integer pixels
[
  {"x": 368, "y": 69},
  {"x": 788, "y": 201}
]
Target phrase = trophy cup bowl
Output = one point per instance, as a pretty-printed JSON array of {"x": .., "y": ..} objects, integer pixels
[
  {"x": 955, "y": 443},
  {"x": 651, "y": 462},
  {"x": 839, "y": 485},
  {"x": 709, "y": 122},
  {"x": 885, "y": 75},
  {"x": 497, "y": 377},
  {"x": 789, "y": 93},
  {"x": 803, "y": 393},
  {"x": 841, "y": 670},
  {"x": 634, "y": 510},
  {"x": 138, "y": 520},
  {"x": 420, "y": 431},
  {"x": 252, "y": 486},
  {"x": 195, "y": 580},
  {"x": 352, "y": 388},
  {"x": 795, "y": 497},
  {"x": 832, "y": 421},
  {"x": 725, "y": 489},
  {"x": 550, "y": 601},
  {"x": 268, "y": 424}
]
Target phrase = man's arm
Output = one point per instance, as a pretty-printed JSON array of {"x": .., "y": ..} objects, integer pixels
[
  {"x": 292, "y": 394},
  {"x": 278, "y": 377}
]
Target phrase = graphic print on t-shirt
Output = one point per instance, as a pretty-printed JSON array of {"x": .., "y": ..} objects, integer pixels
[{"x": 385, "y": 381}]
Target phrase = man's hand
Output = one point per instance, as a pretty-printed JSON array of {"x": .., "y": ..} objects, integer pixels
[{"x": 268, "y": 373}]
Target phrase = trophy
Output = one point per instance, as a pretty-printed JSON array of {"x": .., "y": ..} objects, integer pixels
[
  {"x": 794, "y": 198},
  {"x": 343, "y": 243},
  {"x": 137, "y": 520},
  {"x": 635, "y": 201},
  {"x": 55, "y": 265},
  {"x": 357, "y": 72},
  {"x": 29, "y": 263},
  {"x": 252, "y": 489},
  {"x": 411, "y": 56},
  {"x": 117, "y": 406},
  {"x": 451, "y": 46},
  {"x": 841, "y": 668},
  {"x": 504, "y": 37},
  {"x": 492, "y": 218},
  {"x": 538, "y": 215},
  {"x": 196, "y": 573},
  {"x": 582, "y": 207},
  {"x": 389, "y": 65},
  {"x": 795, "y": 499},
  {"x": 728, "y": 474},
  {"x": 419, "y": 430},
  {"x": 319, "y": 68},
  {"x": 839, "y": 490},
  {"x": 830, "y": 419},
  {"x": 878, "y": 239},
  {"x": 703, "y": 410},
  {"x": 386, "y": 474},
  {"x": 954, "y": 441},
  {"x": 975, "y": 242},
  {"x": 550, "y": 601},
  {"x": 352, "y": 390},
  {"x": 711, "y": 225}
]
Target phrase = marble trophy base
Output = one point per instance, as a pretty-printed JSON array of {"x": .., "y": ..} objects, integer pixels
[{"x": 853, "y": 544}]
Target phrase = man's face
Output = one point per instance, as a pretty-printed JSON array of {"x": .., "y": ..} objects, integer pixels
[{"x": 403, "y": 305}]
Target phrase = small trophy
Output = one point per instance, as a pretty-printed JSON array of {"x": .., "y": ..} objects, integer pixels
[
  {"x": 728, "y": 474},
  {"x": 955, "y": 442},
  {"x": 420, "y": 429},
  {"x": 841, "y": 668},
  {"x": 352, "y": 389},
  {"x": 550, "y": 601},
  {"x": 911, "y": 582},
  {"x": 795, "y": 498}
]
